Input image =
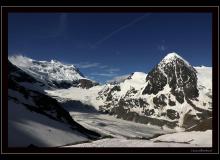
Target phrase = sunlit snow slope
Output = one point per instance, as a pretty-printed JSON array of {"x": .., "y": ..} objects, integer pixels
[
  {"x": 37, "y": 119},
  {"x": 52, "y": 73}
]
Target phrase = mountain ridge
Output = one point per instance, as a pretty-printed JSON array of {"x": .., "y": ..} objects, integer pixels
[
  {"x": 173, "y": 93},
  {"x": 53, "y": 73},
  {"x": 34, "y": 118},
  {"x": 170, "y": 95}
]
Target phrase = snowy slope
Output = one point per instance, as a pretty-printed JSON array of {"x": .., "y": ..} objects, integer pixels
[
  {"x": 53, "y": 73},
  {"x": 89, "y": 96},
  {"x": 204, "y": 76},
  {"x": 86, "y": 96},
  {"x": 181, "y": 139},
  {"x": 135, "y": 81},
  {"x": 37, "y": 119},
  {"x": 195, "y": 138},
  {"x": 26, "y": 128},
  {"x": 118, "y": 79}
]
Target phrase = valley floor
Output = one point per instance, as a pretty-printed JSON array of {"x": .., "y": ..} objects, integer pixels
[
  {"x": 130, "y": 134},
  {"x": 122, "y": 133},
  {"x": 172, "y": 140}
]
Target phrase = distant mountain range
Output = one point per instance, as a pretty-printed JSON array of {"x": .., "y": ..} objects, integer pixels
[
  {"x": 54, "y": 73},
  {"x": 172, "y": 94}
]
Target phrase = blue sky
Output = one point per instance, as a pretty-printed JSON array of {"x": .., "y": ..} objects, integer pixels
[{"x": 106, "y": 45}]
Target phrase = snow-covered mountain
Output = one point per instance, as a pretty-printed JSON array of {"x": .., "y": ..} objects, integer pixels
[
  {"x": 173, "y": 93},
  {"x": 44, "y": 97},
  {"x": 36, "y": 119},
  {"x": 53, "y": 73}
]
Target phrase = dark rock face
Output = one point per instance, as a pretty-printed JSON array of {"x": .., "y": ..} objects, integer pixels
[
  {"x": 85, "y": 83},
  {"x": 19, "y": 75},
  {"x": 149, "y": 112},
  {"x": 109, "y": 96},
  {"x": 170, "y": 102},
  {"x": 64, "y": 84},
  {"x": 180, "y": 77},
  {"x": 189, "y": 120},
  {"x": 132, "y": 91},
  {"x": 202, "y": 126},
  {"x": 172, "y": 114},
  {"x": 156, "y": 82},
  {"x": 160, "y": 100}
]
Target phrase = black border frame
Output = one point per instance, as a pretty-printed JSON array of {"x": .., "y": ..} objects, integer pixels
[{"x": 101, "y": 9}]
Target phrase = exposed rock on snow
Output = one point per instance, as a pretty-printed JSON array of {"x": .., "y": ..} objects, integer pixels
[{"x": 172, "y": 93}]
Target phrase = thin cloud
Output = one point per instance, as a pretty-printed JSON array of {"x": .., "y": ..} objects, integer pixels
[
  {"x": 98, "y": 69},
  {"x": 103, "y": 74},
  {"x": 108, "y": 36},
  {"x": 112, "y": 70},
  {"x": 85, "y": 65},
  {"x": 162, "y": 47},
  {"x": 103, "y": 66}
]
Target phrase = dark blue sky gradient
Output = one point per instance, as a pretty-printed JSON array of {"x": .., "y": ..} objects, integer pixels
[{"x": 105, "y": 45}]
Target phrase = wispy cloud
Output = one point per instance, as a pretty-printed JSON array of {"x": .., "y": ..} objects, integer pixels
[
  {"x": 103, "y": 66},
  {"x": 109, "y": 35},
  {"x": 161, "y": 47},
  {"x": 98, "y": 69},
  {"x": 103, "y": 74},
  {"x": 110, "y": 72},
  {"x": 113, "y": 70},
  {"x": 85, "y": 65}
]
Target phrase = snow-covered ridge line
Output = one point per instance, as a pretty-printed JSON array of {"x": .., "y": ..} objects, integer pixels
[
  {"x": 53, "y": 73},
  {"x": 172, "y": 56},
  {"x": 52, "y": 69}
]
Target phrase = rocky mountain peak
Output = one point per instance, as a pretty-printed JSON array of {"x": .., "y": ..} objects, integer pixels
[
  {"x": 175, "y": 72},
  {"x": 173, "y": 93},
  {"x": 172, "y": 58}
]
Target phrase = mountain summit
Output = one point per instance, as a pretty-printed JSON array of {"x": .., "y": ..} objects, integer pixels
[
  {"x": 171, "y": 57},
  {"x": 53, "y": 73},
  {"x": 175, "y": 72},
  {"x": 169, "y": 95}
]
